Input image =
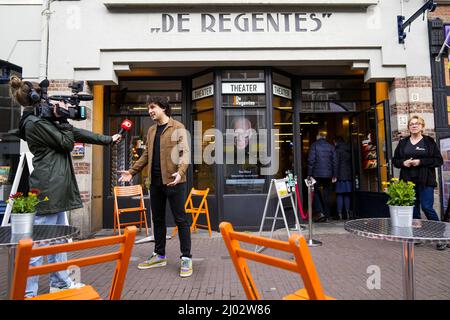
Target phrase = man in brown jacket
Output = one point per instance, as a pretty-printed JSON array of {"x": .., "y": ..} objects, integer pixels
[{"x": 167, "y": 156}]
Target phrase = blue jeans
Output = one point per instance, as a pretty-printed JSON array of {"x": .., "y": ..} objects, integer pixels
[
  {"x": 425, "y": 199},
  {"x": 57, "y": 279}
]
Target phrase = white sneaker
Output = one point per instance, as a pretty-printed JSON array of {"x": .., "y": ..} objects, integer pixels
[
  {"x": 186, "y": 267},
  {"x": 73, "y": 285}
]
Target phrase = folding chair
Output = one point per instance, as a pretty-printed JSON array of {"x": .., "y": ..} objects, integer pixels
[
  {"x": 23, "y": 270},
  {"x": 129, "y": 191},
  {"x": 302, "y": 264},
  {"x": 196, "y": 211}
]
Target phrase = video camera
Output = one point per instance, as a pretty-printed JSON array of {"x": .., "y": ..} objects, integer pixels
[{"x": 44, "y": 109}]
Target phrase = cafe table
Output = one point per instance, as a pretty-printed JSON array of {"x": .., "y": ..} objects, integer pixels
[
  {"x": 425, "y": 231},
  {"x": 42, "y": 235}
]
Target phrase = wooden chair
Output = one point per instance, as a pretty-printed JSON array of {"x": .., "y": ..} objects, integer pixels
[
  {"x": 23, "y": 270},
  {"x": 302, "y": 264},
  {"x": 196, "y": 211},
  {"x": 129, "y": 191}
]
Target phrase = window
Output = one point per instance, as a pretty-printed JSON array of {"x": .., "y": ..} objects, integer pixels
[
  {"x": 447, "y": 84},
  {"x": 252, "y": 75},
  {"x": 203, "y": 117},
  {"x": 283, "y": 118},
  {"x": 284, "y": 142},
  {"x": 9, "y": 145},
  {"x": 335, "y": 95}
]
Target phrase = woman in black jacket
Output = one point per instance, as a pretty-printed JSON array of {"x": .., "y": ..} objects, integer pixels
[
  {"x": 344, "y": 184},
  {"x": 418, "y": 156}
]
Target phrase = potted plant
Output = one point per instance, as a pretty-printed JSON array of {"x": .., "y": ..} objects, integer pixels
[
  {"x": 401, "y": 202},
  {"x": 23, "y": 211}
]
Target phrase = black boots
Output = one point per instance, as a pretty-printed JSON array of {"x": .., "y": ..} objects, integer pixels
[{"x": 321, "y": 218}]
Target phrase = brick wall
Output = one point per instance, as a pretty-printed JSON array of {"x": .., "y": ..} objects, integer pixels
[
  {"x": 408, "y": 96},
  {"x": 85, "y": 196},
  {"x": 82, "y": 167},
  {"x": 442, "y": 11}
]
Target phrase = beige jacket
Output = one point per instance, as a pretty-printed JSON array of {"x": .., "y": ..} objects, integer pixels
[{"x": 173, "y": 143}]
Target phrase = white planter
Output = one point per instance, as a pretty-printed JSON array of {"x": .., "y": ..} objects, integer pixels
[
  {"x": 22, "y": 223},
  {"x": 401, "y": 216}
]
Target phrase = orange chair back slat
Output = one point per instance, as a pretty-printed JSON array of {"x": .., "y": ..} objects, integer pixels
[
  {"x": 303, "y": 264},
  {"x": 196, "y": 211},
  {"x": 25, "y": 251},
  {"x": 129, "y": 191},
  {"x": 80, "y": 262}
]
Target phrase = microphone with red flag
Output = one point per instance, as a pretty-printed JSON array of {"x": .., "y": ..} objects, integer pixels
[{"x": 125, "y": 126}]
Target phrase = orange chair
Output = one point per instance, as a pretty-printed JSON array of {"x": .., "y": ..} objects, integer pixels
[
  {"x": 129, "y": 191},
  {"x": 23, "y": 270},
  {"x": 302, "y": 264},
  {"x": 196, "y": 211}
]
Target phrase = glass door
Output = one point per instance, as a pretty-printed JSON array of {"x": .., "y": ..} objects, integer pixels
[
  {"x": 372, "y": 158},
  {"x": 371, "y": 149}
]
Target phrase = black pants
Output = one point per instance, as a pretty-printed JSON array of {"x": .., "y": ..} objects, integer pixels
[
  {"x": 159, "y": 194},
  {"x": 322, "y": 195}
]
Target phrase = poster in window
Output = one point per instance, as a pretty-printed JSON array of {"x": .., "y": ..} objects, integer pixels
[
  {"x": 242, "y": 166},
  {"x": 4, "y": 173},
  {"x": 445, "y": 151},
  {"x": 369, "y": 153}
]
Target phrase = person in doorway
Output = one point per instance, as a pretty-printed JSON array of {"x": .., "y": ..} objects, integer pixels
[
  {"x": 51, "y": 143},
  {"x": 418, "y": 156},
  {"x": 167, "y": 156},
  {"x": 321, "y": 166},
  {"x": 344, "y": 184}
]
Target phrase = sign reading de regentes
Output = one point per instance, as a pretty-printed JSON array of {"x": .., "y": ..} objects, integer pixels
[{"x": 248, "y": 22}]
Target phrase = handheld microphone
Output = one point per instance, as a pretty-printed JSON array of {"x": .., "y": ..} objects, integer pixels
[{"x": 125, "y": 126}]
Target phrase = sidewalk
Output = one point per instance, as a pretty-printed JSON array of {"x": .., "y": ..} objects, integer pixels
[{"x": 341, "y": 263}]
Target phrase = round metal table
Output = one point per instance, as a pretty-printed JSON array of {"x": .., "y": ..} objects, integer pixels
[
  {"x": 42, "y": 235},
  {"x": 422, "y": 230}
]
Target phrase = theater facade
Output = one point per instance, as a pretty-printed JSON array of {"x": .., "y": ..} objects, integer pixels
[{"x": 281, "y": 71}]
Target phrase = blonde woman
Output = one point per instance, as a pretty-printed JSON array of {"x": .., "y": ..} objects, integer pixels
[{"x": 417, "y": 156}]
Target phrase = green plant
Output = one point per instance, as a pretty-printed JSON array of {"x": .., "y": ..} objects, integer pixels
[
  {"x": 401, "y": 193},
  {"x": 25, "y": 204}
]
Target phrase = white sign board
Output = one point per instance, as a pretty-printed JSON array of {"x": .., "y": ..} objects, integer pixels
[
  {"x": 203, "y": 92},
  {"x": 281, "y": 187},
  {"x": 282, "y": 91},
  {"x": 243, "y": 88}
]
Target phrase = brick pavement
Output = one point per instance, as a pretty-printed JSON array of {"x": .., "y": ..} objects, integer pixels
[{"x": 341, "y": 262}]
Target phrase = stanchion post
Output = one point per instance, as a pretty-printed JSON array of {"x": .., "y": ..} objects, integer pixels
[{"x": 311, "y": 242}]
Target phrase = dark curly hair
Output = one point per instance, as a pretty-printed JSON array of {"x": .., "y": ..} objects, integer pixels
[{"x": 161, "y": 102}]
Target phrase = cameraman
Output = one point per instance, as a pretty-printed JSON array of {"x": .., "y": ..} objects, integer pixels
[{"x": 51, "y": 143}]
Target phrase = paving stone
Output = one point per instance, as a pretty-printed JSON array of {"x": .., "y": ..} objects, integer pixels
[{"x": 341, "y": 263}]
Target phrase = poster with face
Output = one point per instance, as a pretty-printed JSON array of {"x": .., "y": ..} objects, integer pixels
[
  {"x": 242, "y": 167},
  {"x": 243, "y": 129}
]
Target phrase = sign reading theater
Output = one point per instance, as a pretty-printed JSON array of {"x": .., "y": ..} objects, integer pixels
[
  {"x": 238, "y": 22},
  {"x": 243, "y": 87}
]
